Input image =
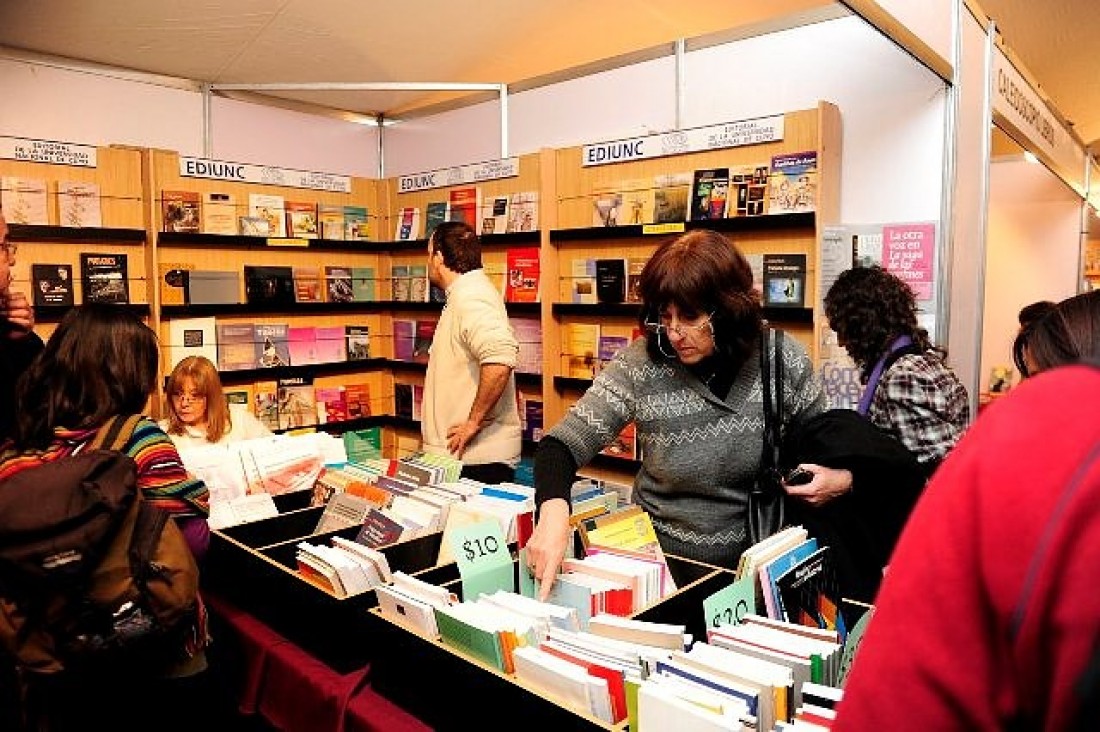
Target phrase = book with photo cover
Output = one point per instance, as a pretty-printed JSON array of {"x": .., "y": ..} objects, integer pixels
[
  {"x": 709, "y": 192},
  {"x": 358, "y": 342},
  {"x": 338, "y": 287},
  {"x": 104, "y": 278},
  {"x": 785, "y": 280},
  {"x": 267, "y": 285},
  {"x": 52, "y": 284},
  {"x": 181, "y": 211},
  {"x": 670, "y": 198}
]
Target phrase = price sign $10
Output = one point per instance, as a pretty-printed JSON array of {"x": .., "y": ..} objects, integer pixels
[{"x": 479, "y": 547}]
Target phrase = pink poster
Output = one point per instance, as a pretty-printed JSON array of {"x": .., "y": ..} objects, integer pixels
[{"x": 909, "y": 251}]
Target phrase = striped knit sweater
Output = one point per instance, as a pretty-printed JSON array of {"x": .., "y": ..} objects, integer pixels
[
  {"x": 700, "y": 454},
  {"x": 161, "y": 478}
]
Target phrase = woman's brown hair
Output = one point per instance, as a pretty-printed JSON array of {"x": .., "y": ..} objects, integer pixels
[{"x": 204, "y": 375}]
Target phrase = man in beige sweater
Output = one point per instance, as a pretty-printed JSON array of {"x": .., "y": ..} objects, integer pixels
[{"x": 469, "y": 391}]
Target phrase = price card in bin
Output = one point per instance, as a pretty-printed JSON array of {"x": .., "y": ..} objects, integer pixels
[
  {"x": 484, "y": 562},
  {"x": 731, "y": 605}
]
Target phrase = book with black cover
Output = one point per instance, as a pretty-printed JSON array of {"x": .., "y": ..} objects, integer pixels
[
  {"x": 269, "y": 285},
  {"x": 611, "y": 280},
  {"x": 358, "y": 342},
  {"x": 785, "y": 280},
  {"x": 53, "y": 284},
  {"x": 104, "y": 278},
  {"x": 810, "y": 592}
]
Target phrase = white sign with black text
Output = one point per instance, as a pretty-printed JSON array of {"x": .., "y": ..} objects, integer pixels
[
  {"x": 697, "y": 139},
  {"x": 264, "y": 174},
  {"x": 47, "y": 151},
  {"x": 459, "y": 175}
]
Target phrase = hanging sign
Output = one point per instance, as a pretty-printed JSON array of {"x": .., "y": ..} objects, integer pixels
[
  {"x": 697, "y": 139},
  {"x": 47, "y": 151},
  {"x": 459, "y": 175},
  {"x": 263, "y": 174}
]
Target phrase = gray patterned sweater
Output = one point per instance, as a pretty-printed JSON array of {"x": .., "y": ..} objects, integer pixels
[{"x": 699, "y": 454}]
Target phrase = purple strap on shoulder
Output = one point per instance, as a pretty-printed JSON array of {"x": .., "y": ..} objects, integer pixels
[{"x": 876, "y": 374}]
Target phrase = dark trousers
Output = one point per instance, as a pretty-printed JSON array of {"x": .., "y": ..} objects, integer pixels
[{"x": 493, "y": 473}]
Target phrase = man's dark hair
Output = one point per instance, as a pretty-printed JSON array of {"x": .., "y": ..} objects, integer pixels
[
  {"x": 1030, "y": 313},
  {"x": 459, "y": 245}
]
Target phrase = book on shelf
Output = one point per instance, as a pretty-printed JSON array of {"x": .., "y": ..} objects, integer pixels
[
  {"x": 332, "y": 404},
  {"x": 523, "y": 212},
  {"x": 301, "y": 219},
  {"x": 271, "y": 345},
  {"x": 400, "y": 285},
  {"x": 270, "y": 208},
  {"x": 418, "y": 283},
  {"x": 302, "y": 344},
  {"x": 792, "y": 184},
  {"x": 637, "y": 206},
  {"x": 404, "y": 334},
  {"x": 494, "y": 215},
  {"x": 78, "y": 204},
  {"x": 297, "y": 403},
  {"x": 181, "y": 211},
  {"x": 611, "y": 280},
  {"x": 810, "y": 592},
  {"x": 52, "y": 284},
  {"x": 254, "y": 226},
  {"x": 239, "y": 398},
  {"x": 104, "y": 278},
  {"x": 331, "y": 344},
  {"x": 356, "y": 223},
  {"x": 362, "y": 284},
  {"x": 266, "y": 400},
  {"x": 219, "y": 213},
  {"x": 785, "y": 280},
  {"x": 408, "y": 224},
  {"x": 611, "y": 345},
  {"x": 191, "y": 337},
  {"x": 634, "y": 267},
  {"x": 212, "y": 287},
  {"x": 358, "y": 342},
  {"x": 357, "y": 398},
  {"x": 532, "y": 419},
  {"x": 522, "y": 282},
  {"x": 24, "y": 200},
  {"x": 709, "y": 193},
  {"x": 581, "y": 345},
  {"x": 338, "y": 287},
  {"x": 670, "y": 197},
  {"x": 308, "y": 286},
  {"x": 418, "y": 401},
  {"x": 465, "y": 203},
  {"x": 236, "y": 348},
  {"x": 528, "y": 332},
  {"x": 607, "y": 207},
  {"x": 403, "y": 400},
  {"x": 422, "y": 340},
  {"x": 751, "y": 191},
  {"x": 330, "y": 221},
  {"x": 435, "y": 213},
  {"x": 269, "y": 285},
  {"x": 582, "y": 281}
]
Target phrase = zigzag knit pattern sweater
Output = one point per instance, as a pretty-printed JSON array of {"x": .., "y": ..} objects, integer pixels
[{"x": 700, "y": 454}]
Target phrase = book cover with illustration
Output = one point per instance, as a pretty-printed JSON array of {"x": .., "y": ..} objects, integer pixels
[
  {"x": 78, "y": 204},
  {"x": 356, "y": 223},
  {"x": 219, "y": 213},
  {"x": 523, "y": 211},
  {"x": 408, "y": 224},
  {"x": 271, "y": 345},
  {"x": 748, "y": 185},
  {"x": 581, "y": 346},
  {"x": 357, "y": 397},
  {"x": 266, "y": 401},
  {"x": 418, "y": 283},
  {"x": 104, "y": 278},
  {"x": 634, "y": 267},
  {"x": 670, "y": 197},
  {"x": 236, "y": 348},
  {"x": 330, "y": 221},
  {"x": 358, "y": 342},
  {"x": 792, "y": 184},
  {"x": 362, "y": 284},
  {"x": 637, "y": 207},
  {"x": 709, "y": 193},
  {"x": 400, "y": 285},
  {"x": 307, "y": 284},
  {"x": 494, "y": 215},
  {"x": 181, "y": 211},
  {"x": 254, "y": 226},
  {"x": 24, "y": 200},
  {"x": 271, "y": 209},
  {"x": 435, "y": 213},
  {"x": 582, "y": 281},
  {"x": 465, "y": 203},
  {"x": 785, "y": 280},
  {"x": 607, "y": 207},
  {"x": 332, "y": 404},
  {"x": 338, "y": 284},
  {"x": 422, "y": 340},
  {"x": 522, "y": 280},
  {"x": 301, "y": 220},
  {"x": 52, "y": 284},
  {"x": 297, "y": 403}
]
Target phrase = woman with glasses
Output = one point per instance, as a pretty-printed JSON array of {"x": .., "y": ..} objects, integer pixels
[
  {"x": 692, "y": 387},
  {"x": 198, "y": 413}
]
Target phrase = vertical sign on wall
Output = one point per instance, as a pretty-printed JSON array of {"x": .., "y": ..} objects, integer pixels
[{"x": 909, "y": 252}]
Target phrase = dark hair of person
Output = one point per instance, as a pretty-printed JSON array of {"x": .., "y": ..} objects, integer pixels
[
  {"x": 459, "y": 245},
  {"x": 203, "y": 374},
  {"x": 100, "y": 362},
  {"x": 1069, "y": 333},
  {"x": 869, "y": 308},
  {"x": 1030, "y": 313},
  {"x": 703, "y": 273}
]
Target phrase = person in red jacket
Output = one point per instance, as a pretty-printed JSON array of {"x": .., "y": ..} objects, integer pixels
[{"x": 989, "y": 614}]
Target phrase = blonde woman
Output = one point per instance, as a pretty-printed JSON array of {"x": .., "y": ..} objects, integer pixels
[{"x": 198, "y": 413}]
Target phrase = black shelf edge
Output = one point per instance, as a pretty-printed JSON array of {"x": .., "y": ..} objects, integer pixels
[
  {"x": 510, "y": 238},
  {"x": 300, "y": 308},
  {"x": 776, "y": 222},
  {"x": 409, "y": 305},
  {"x": 197, "y": 240},
  {"x": 245, "y": 376},
  {"x": 403, "y": 422},
  {"x": 571, "y": 382},
  {"x": 347, "y": 425},
  {"x": 528, "y": 379},
  {"x": 797, "y": 316},
  {"x": 523, "y": 307},
  {"x": 631, "y": 309},
  {"x": 54, "y": 313},
  {"x": 37, "y": 232},
  {"x": 398, "y": 365}
]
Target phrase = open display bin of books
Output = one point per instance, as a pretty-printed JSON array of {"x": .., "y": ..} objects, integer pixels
[
  {"x": 437, "y": 682},
  {"x": 264, "y": 580}
]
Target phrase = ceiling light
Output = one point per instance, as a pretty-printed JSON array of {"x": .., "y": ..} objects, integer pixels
[{"x": 1030, "y": 157}]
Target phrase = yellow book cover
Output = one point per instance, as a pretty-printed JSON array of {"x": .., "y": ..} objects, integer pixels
[
  {"x": 173, "y": 282},
  {"x": 581, "y": 346}
]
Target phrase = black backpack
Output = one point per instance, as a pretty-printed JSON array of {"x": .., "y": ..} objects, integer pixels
[{"x": 90, "y": 574}]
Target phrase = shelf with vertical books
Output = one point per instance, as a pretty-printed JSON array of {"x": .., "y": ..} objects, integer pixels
[{"x": 776, "y": 222}]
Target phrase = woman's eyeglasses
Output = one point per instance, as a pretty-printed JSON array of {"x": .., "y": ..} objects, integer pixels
[
  {"x": 682, "y": 329},
  {"x": 193, "y": 398}
]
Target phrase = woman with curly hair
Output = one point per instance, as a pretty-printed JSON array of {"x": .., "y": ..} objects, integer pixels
[{"x": 909, "y": 390}]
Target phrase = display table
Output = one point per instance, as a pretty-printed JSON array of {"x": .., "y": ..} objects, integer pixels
[{"x": 288, "y": 688}]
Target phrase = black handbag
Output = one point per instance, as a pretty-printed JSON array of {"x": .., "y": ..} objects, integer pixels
[{"x": 767, "y": 499}]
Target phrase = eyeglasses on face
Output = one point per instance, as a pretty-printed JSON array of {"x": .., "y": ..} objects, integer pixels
[
  {"x": 9, "y": 249},
  {"x": 181, "y": 398},
  {"x": 683, "y": 328}
]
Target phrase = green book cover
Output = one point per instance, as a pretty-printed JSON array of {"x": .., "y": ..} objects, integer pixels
[
  {"x": 481, "y": 644},
  {"x": 363, "y": 445},
  {"x": 362, "y": 284}
]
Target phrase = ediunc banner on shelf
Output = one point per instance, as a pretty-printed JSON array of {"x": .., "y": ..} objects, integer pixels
[{"x": 263, "y": 174}]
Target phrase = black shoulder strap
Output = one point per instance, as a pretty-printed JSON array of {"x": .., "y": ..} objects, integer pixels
[
  {"x": 771, "y": 380},
  {"x": 114, "y": 433}
]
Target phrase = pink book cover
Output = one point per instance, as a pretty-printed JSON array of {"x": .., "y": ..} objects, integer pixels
[
  {"x": 331, "y": 344},
  {"x": 302, "y": 343},
  {"x": 332, "y": 405}
]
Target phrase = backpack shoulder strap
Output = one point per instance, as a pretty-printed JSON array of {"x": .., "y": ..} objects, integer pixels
[
  {"x": 114, "y": 433},
  {"x": 771, "y": 381}
]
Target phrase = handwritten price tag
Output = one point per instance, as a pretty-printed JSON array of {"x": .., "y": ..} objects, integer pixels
[
  {"x": 731, "y": 605},
  {"x": 484, "y": 562}
]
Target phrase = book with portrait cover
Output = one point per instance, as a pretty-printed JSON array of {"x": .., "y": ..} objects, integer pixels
[
  {"x": 785, "y": 280},
  {"x": 52, "y": 284},
  {"x": 104, "y": 278},
  {"x": 709, "y": 191},
  {"x": 181, "y": 211}
]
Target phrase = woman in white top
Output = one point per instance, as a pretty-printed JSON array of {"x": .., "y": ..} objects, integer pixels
[{"x": 198, "y": 413}]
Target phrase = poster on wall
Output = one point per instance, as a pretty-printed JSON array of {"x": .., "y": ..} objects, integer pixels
[{"x": 909, "y": 252}]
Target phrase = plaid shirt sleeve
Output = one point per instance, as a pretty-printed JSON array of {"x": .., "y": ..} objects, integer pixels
[{"x": 921, "y": 401}]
